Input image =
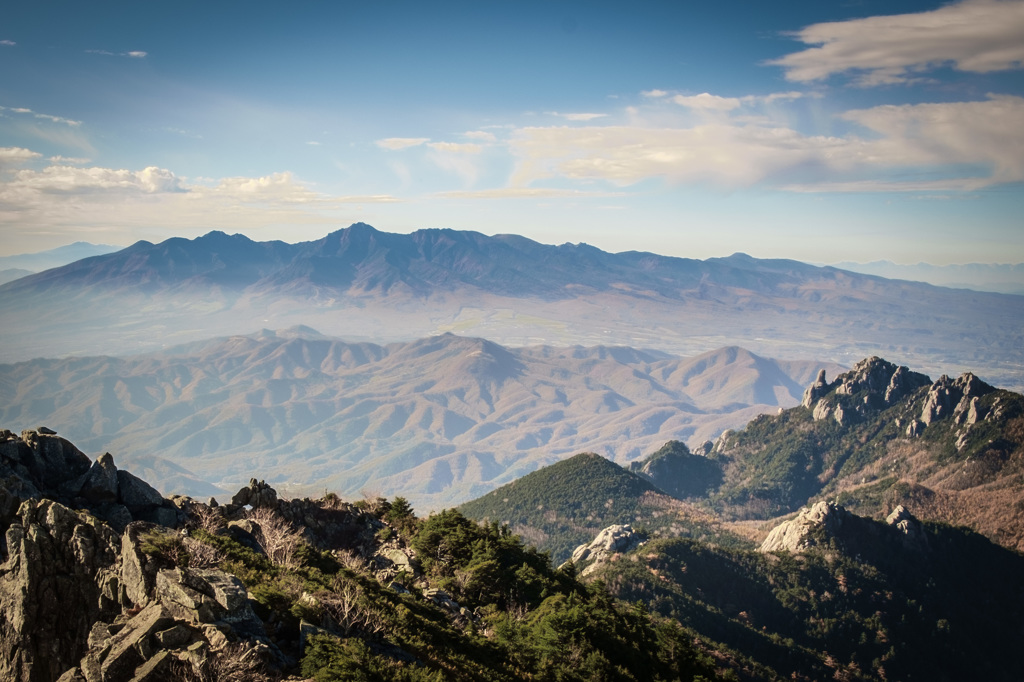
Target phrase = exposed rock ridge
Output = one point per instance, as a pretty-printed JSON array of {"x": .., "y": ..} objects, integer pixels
[
  {"x": 40, "y": 464},
  {"x": 872, "y": 385},
  {"x": 826, "y": 522}
]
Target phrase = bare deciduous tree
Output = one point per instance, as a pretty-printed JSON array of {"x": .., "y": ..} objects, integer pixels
[{"x": 278, "y": 537}]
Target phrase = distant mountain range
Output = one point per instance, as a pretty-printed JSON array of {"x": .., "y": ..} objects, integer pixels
[
  {"x": 1003, "y": 278},
  {"x": 439, "y": 420},
  {"x": 362, "y": 284},
  {"x": 28, "y": 263}
]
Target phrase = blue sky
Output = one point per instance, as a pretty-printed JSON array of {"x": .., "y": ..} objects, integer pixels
[{"x": 817, "y": 131}]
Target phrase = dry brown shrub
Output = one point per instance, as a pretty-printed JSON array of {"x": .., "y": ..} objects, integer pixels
[
  {"x": 278, "y": 538},
  {"x": 207, "y": 518},
  {"x": 202, "y": 555},
  {"x": 348, "y": 607}
]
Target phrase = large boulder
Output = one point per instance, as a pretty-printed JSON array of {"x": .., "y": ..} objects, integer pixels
[
  {"x": 806, "y": 529},
  {"x": 616, "y": 539}
]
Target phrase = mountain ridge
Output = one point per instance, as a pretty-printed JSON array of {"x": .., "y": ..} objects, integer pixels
[
  {"x": 440, "y": 419},
  {"x": 515, "y": 291}
]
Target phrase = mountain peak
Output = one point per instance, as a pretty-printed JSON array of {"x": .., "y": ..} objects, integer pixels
[{"x": 876, "y": 383}]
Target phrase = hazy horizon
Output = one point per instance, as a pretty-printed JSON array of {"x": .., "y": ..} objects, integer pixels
[{"x": 821, "y": 133}]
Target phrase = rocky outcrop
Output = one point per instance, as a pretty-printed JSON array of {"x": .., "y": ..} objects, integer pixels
[
  {"x": 816, "y": 390},
  {"x": 956, "y": 398},
  {"x": 829, "y": 523},
  {"x": 806, "y": 529},
  {"x": 60, "y": 577},
  {"x": 872, "y": 385},
  {"x": 914, "y": 536},
  {"x": 40, "y": 464},
  {"x": 257, "y": 494},
  {"x": 617, "y": 539}
]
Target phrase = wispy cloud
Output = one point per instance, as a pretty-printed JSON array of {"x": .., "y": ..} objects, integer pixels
[
  {"x": 944, "y": 138},
  {"x": 481, "y": 135},
  {"x": 576, "y": 116},
  {"x": 456, "y": 147},
  {"x": 45, "y": 117},
  {"x": 706, "y": 101},
  {"x": 73, "y": 160},
  {"x": 132, "y": 54},
  {"x": 654, "y": 93},
  {"x": 978, "y": 36},
  {"x": 62, "y": 179},
  {"x": 523, "y": 193},
  {"x": 8, "y": 43},
  {"x": 396, "y": 143}
]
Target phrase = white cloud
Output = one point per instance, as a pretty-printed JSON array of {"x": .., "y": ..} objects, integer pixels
[
  {"x": 395, "y": 143},
  {"x": 481, "y": 135},
  {"x": 8, "y": 43},
  {"x": 942, "y": 138},
  {"x": 863, "y": 186},
  {"x": 988, "y": 133},
  {"x": 64, "y": 200},
  {"x": 717, "y": 153},
  {"x": 70, "y": 180},
  {"x": 16, "y": 156},
  {"x": 654, "y": 93},
  {"x": 456, "y": 147},
  {"x": 73, "y": 160},
  {"x": 523, "y": 193},
  {"x": 979, "y": 36},
  {"x": 133, "y": 54},
  {"x": 45, "y": 117},
  {"x": 715, "y": 103},
  {"x": 707, "y": 102},
  {"x": 576, "y": 117}
]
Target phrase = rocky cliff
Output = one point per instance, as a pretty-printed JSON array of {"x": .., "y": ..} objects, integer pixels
[{"x": 101, "y": 581}]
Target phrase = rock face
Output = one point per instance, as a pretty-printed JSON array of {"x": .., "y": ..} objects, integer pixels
[
  {"x": 957, "y": 398},
  {"x": 828, "y": 522},
  {"x": 872, "y": 385},
  {"x": 39, "y": 464},
  {"x": 800, "y": 533},
  {"x": 617, "y": 539},
  {"x": 60, "y": 576}
]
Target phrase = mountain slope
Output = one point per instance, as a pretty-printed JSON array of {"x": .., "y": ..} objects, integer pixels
[
  {"x": 863, "y": 604},
  {"x": 881, "y": 435},
  {"x": 567, "y": 503},
  {"x": 512, "y": 290},
  {"x": 440, "y": 419}
]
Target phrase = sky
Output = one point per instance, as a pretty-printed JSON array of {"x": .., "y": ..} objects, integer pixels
[{"x": 820, "y": 131}]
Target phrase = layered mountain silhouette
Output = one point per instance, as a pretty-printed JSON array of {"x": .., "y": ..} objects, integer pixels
[
  {"x": 360, "y": 283},
  {"x": 439, "y": 419}
]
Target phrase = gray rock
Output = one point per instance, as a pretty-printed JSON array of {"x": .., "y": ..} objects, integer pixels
[
  {"x": 819, "y": 388},
  {"x": 124, "y": 656},
  {"x": 136, "y": 494},
  {"x": 174, "y": 637},
  {"x": 155, "y": 669},
  {"x": 50, "y": 595},
  {"x": 616, "y": 539},
  {"x": 100, "y": 483},
  {"x": 796, "y": 534},
  {"x": 914, "y": 536}
]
